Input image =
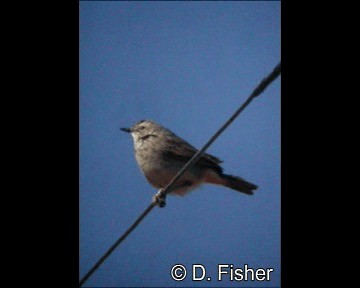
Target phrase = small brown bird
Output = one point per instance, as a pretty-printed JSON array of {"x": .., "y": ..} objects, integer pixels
[{"x": 161, "y": 154}]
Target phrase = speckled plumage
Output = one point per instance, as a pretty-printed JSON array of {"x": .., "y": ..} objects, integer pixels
[{"x": 161, "y": 154}]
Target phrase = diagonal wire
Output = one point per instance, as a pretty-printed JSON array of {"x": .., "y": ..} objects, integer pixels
[
  {"x": 257, "y": 91},
  {"x": 113, "y": 247}
]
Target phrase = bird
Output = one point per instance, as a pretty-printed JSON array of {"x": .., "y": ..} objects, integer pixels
[{"x": 161, "y": 154}]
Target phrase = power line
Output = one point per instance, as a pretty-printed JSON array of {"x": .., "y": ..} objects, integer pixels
[
  {"x": 163, "y": 192},
  {"x": 122, "y": 238},
  {"x": 257, "y": 91}
]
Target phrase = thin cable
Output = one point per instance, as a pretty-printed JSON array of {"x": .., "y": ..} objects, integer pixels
[
  {"x": 257, "y": 91},
  {"x": 122, "y": 238}
]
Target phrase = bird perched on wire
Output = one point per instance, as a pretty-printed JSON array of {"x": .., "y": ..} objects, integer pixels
[{"x": 161, "y": 154}]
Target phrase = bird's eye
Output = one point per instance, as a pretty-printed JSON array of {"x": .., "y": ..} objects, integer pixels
[{"x": 141, "y": 127}]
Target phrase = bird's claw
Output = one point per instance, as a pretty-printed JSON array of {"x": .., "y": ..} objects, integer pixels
[{"x": 159, "y": 199}]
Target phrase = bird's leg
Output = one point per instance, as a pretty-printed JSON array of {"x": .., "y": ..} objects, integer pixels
[{"x": 159, "y": 198}]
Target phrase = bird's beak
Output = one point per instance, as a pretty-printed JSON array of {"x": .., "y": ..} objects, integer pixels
[{"x": 128, "y": 130}]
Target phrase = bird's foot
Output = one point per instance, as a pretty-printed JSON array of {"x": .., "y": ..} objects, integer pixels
[{"x": 159, "y": 198}]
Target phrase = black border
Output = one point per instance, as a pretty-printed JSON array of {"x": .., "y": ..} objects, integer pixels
[
  {"x": 299, "y": 138},
  {"x": 53, "y": 34},
  {"x": 70, "y": 59}
]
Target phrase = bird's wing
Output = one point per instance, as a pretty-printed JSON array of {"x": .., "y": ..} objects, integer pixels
[{"x": 181, "y": 150}]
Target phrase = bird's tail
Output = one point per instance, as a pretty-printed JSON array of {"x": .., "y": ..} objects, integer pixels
[
  {"x": 232, "y": 182},
  {"x": 238, "y": 184}
]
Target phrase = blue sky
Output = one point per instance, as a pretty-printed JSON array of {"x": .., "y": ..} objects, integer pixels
[{"x": 188, "y": 66}]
